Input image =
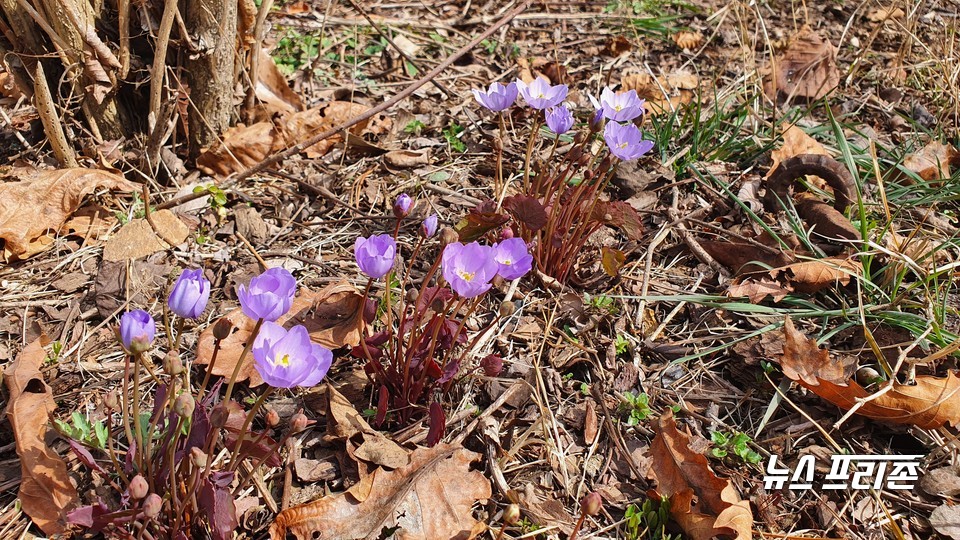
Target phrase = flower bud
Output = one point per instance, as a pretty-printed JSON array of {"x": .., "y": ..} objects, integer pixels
[
  {"x": 190, "y": 294},
  {"x": 184, "y": 404},
  {"x": 172, "y": 364},
  {"x": 491, "y": 365},
  {"x": 412, "y": 296},
  {"x": 298, "y": 422},
  {"x": 605, "y": 164},
  {"x": 402, "y": 206},
  {"x": 498, "y": 144},
  {"x": 137, "y": 330},
  {"x": 506, "y": 233},
  {"x": 219, "y": 416},
  {"x": 575, "y": 153},
  {"x": 507, "y": 308},
  {"x": 429, "y": 226},
  {"x": 596, "y": 121},
  {"x": 138, "y": 487},
  {"x": 511, "y": 516},
  {"x": 591, "y": 504},
  {"x": 222, "y": 328},
  {"x": 578, "y": 138},
  {"x": 198, "y": 457},
  {"x": 152, "y": 506},
  {"x": 112, "y": 400},
  {"x": 272, "y": 418},
  {"x": 448, "y": 236}
]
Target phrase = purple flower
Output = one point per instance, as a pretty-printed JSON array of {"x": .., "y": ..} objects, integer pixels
[
  {"x": 540, "y": 95},
  {"x": 469, "y": 268},
  {"x": 625, "y": 141},
  {"x": 269, "y": 295},
  {"x": 498, "y": 97},
  {"x": 513, "y": 258},
  {"x": 285, "y": 359},
  {"x": 137, "y": 330},
  {"x": 622, "y": 107},
  {"x": 190, "y": 293},
  {"x": 429, "y": 226},
  {"x": 559, "y": 119},
  {"x": 375, "y": 255},
  {"x": 402, "y": 206}
]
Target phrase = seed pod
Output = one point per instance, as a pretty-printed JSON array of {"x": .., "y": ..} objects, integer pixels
[
  {"x": 183, "y": 406},
  {"x": 448, "y": 236},
  {"x": 298, "y": 423},
  {"x": 138, "y": 487},
  {"x": 511, "y": 516},
  {"x": 272, "y": 418},
  {"x": 222, "y": 328},
  {"x": 152, "y": 506},
  {"x": 591, "y": 504},
  {"x": 112, "y": 400},
  {"x": 198, "y": 457},
  {"x": 219, "y": 416},
  {"x": 172, "y": 364}
]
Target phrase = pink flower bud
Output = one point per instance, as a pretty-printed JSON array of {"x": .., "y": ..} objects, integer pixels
[
  {"x": 138, "y": 487},
  {"x": 152, "y": 506}
]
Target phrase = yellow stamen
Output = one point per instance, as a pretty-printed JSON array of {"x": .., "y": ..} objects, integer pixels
[
  {"x": 467, "y": 276},
  {"x": 282, "y": 360}
]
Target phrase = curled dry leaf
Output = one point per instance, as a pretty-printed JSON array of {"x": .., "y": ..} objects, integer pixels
[
  {"x": 46, "y": 493},
  {"x": 138, "y": 239},
  {"x": 816, "y": 275},
  {"x": 40, "y": 201},
  {"x": 407, "y": 158},
  {"x": 703, "y": 504},
  {"x": 344, "y": 422},
  {"x": 795, "y": 142},
  {"x": 687, "y": 39},
  {"x": 332, "y": 316},
  {"x": 427, "y": 499},
  {"x": 245, "y": 146},
  {"x": 929, "y": 403},
  {"x": 272, "y": 88},
  {"x": 807, "y": 69}
]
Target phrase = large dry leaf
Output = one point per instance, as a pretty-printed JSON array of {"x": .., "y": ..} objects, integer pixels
[
  {"x": 272, "y": 88},
  {"x": 816, "y": 275},
  {"x": 42, "y": 200},
  {"x": 703, "y": 504},
  {"x": 333, "y": 316},
  {"x": 929, "y": 403},
  {"x": 138, "y": 239},
  {"x": 344, "y": 422},
  {"x": 46, "y": 493},
  {"x": 429, "y": 499},
  {"x": 663, "y": 94},
  {"x": 807, "y": 69},
  {"x": 245, "y": 146},
  {"x": 933, "y": 161}
]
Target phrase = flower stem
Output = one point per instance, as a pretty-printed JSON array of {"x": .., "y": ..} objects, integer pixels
[
  {"x": 246, "y": 425},
  {"x": 526, "y": 163},
  {"x": 206, "y": 377},
  {"x": 138, "y": 428},
  {"x": 243, "y": 355}
]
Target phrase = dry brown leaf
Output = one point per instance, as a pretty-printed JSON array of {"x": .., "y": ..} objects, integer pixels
[
  {"x": 703, "y": 504},
  {"x": 807, "y": 69},
  {"x": 344, "y": 422},
  {"x": 933, "y": 161},
  {"x": 137, "y": 238},
  {"x": 929, "y": 403},
  {"x": 945, "y": 519},
  {"x": 272, "y": 88},
  {"x": 90, "y": 222},
  {"x": 431, "y": 498},
  {"x": 688, "y": 40},
  {"x": 742, "y": 257},
  {"x": 815, "y": 275},
  {"x": 407, "y": 158},
  {"x": 245, "y": 146},
  {"x": 664, "y": 94},
  {"x": 41, "y": 201},
  {"x": 332, "y": 317},
  {"x": 46, "y": 493},
  {"x": 758, "y": 289},
  {"x": 880, "y": 14},
  {"x": 297, "y": 8},
  {"x": 795, "y": 142}
]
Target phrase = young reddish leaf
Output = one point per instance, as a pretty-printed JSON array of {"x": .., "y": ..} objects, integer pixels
[
  {"x": 46, "y": 493},
  {"x": 383, "y": 403},
  {"x": 526, "y": 210},
  {"x": 438, "y": 424},
  {"x": 621, "y": 215},
  {"x": 216, "y": 501},
  {"x": 476, "y": 224},
  {"x": 929, "y": 403},
  {"x": 612, "y": 260},
  {"x": 703, "y": 504}
]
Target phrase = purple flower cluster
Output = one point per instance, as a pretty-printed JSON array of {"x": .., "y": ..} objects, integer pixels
[
  {"x": 625, "y": 141},
  {"x": 287, "y": 358},
  {"x": 375, "y": 255},
  {"x": 498, "y": 98},
  {"x": 470, "y": 268},
  {"x": 559, "y": 119}
]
